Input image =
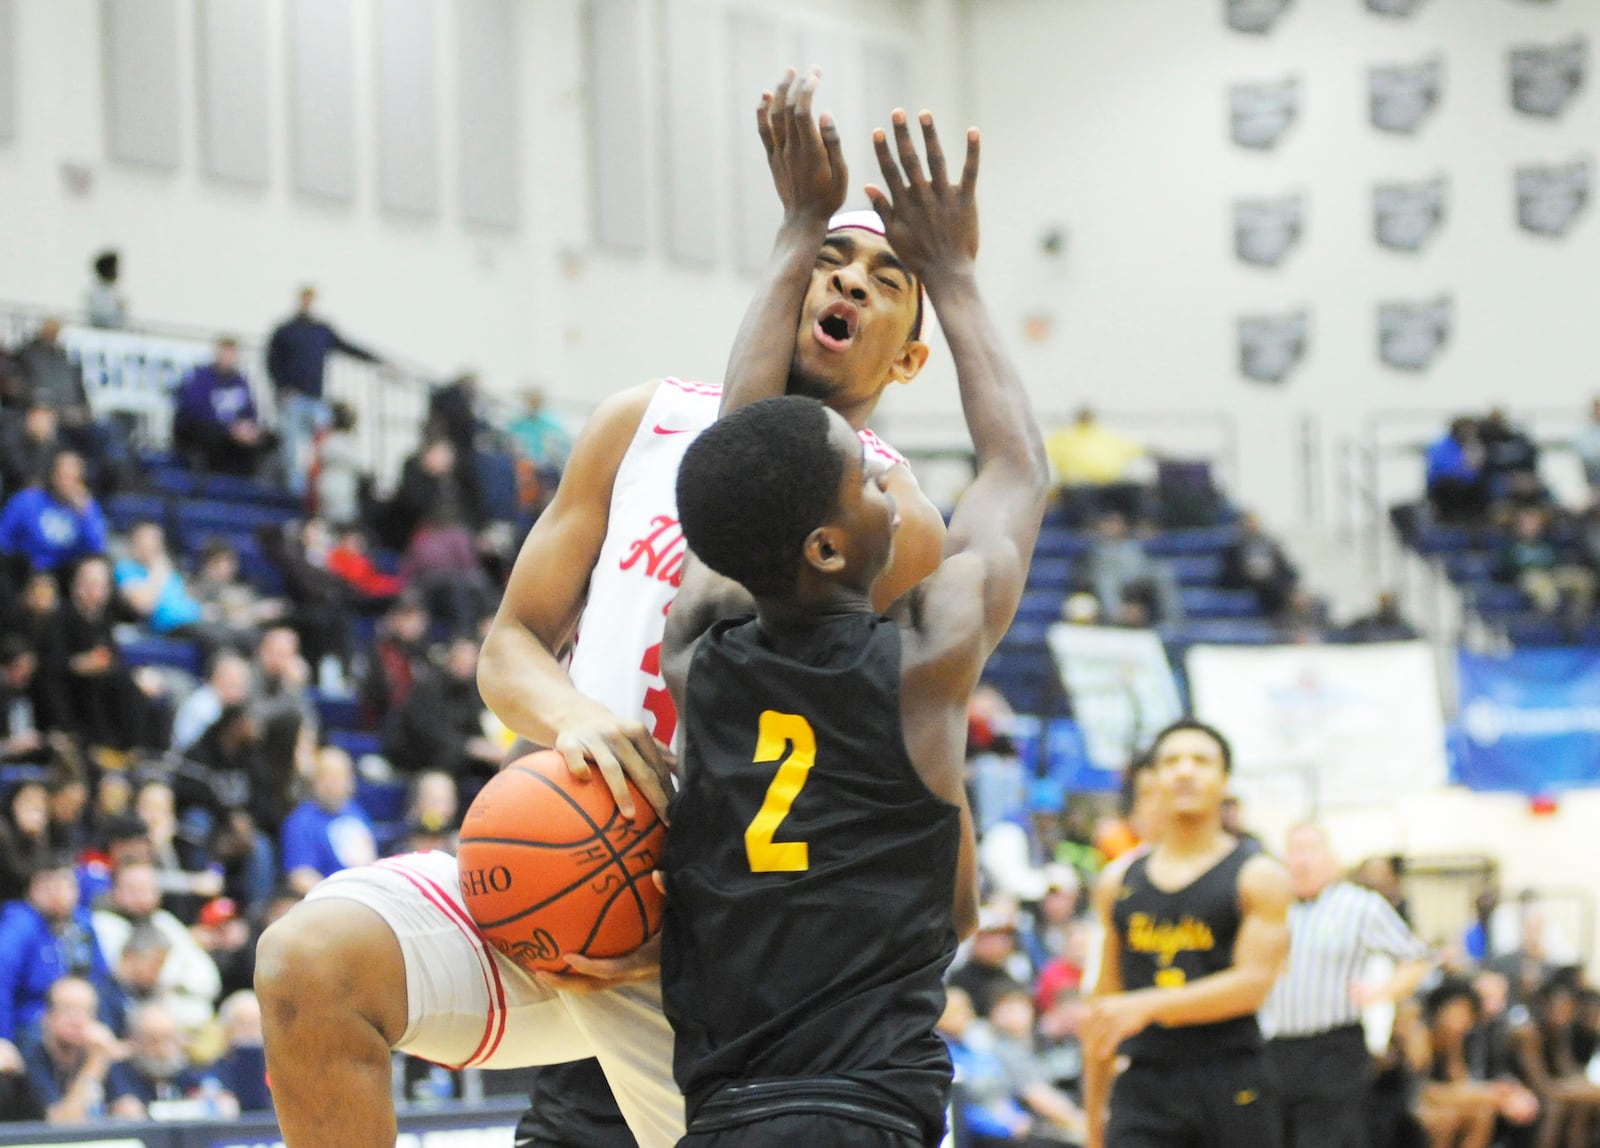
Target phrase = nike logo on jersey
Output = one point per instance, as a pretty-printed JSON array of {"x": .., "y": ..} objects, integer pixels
[{"x": 659, "y": 429}]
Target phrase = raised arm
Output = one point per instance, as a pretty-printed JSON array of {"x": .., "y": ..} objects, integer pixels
[
  {"x": 932, "y": 225},
  {"x": 809, "y": 172}
]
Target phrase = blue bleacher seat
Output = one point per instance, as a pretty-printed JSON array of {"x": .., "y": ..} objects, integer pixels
[
  {"x": 1200, "y": 540},
  {"x": 382, "y": 800},
  {"x": 208, "y": 512},
  {"x": 357, "y": 743},
  {"x": 175, "y": 653},
  {"x": 257, "y": 569},
  {"x": 123, "y": 510},
  {"x": 1025, "y": 633},
  {"x": 1059, "y": 542},
  {"x": 1222, "y": 632},
  {"x": 1207, "y": 602},
  {"x": 335, "y": 712},
  {"x": 1050, "y": 574},
  {"x": 1499, "y": 598},
  {"x": 1039, "y": 606},
  {"x": 1536, "y": 630},
  {"x": 1440, "y": 538},
  {"x": 172, "y": 480},
  {"x": 236, "y": 489},
  {"x": 1196, "y": 569},
  {"x": 1470, "y": 566}
]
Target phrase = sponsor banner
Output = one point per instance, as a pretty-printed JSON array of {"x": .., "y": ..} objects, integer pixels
[
  {"x": 1324, "y": 725},
  {"x": 1122, "y": 692},
  {"x": 1530, "y": 721}
]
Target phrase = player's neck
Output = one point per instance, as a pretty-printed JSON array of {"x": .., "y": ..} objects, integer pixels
[
  {"x": 797, "y": 614},
  {"x": 1194, "y": 836}
]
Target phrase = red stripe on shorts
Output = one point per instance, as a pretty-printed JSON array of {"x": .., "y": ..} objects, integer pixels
[{"x": 436, "y": 895}]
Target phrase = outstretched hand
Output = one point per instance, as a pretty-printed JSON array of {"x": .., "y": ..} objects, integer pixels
[
  {"x": 804, "y": 154},
  {"x": 931, "y": 223}
]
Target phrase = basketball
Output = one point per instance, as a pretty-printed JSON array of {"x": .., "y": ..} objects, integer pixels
[{"x": 550, "y": 866}]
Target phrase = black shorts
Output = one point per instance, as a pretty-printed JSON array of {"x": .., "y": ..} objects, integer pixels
[
  {"x": 803, "y": 1129},
  {"x": 1226, "y": 1101}
]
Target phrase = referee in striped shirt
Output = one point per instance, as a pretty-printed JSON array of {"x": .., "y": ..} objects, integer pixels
[{"x": 1318, "y": 1048}]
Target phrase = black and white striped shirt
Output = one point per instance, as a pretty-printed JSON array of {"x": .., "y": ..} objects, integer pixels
[{"x": 1330, "y": 938}]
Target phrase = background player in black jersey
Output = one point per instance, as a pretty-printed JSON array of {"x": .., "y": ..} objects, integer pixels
[
  {"x": 821, "y": 861},
  {"x": 1196, "y": 932}
]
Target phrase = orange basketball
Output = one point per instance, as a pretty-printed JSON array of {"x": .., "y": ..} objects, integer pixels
[{"x": 549, "y": 866}]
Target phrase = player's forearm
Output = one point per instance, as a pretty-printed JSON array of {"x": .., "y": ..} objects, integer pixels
[
  {"x": 524, "y": 685},
  {"x": 758, "y": 366},
  {"x": 1222, "y": 996},
  {"x": 998, "y": 413},
  {"x": 1097, "y": 1073}
]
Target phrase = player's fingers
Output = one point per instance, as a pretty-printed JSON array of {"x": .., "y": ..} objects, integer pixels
[
  {"x": 780, "y": 107},
  {"x": 880, "y": 203},
  {"x": 930, "y": 144},
  {"x": 764, "y": 122},
  {"x": 612, "y": 773},
  {"x": 969, "y": 172},
  {"x": 835, "y": 149},
  {"x": 628, "y": 749},
  {"x": 891, "y": 173},
  {"x": 612, "y": 970},
  {"x": 660, "y": 879},
  {"x": 909, "y": 159},
  {"x": 571, "y": 747}
]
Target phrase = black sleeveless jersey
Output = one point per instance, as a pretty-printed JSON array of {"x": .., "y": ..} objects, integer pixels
[
  {"x": 810, "y": 874},
  {"x": 1170, "y": 939}
]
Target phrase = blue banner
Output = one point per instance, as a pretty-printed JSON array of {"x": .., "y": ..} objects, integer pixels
[{"x": 1530, "y": 721}]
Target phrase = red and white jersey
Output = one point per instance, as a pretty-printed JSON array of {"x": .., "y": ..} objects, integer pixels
[{"x": 616, "y": 659}]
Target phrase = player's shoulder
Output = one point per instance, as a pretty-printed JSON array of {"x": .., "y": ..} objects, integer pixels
[
  {"x": 1109, "y": 884},
  {"x": 1264, "y": 883}
]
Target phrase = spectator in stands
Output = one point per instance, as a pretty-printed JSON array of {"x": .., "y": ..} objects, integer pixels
[
  {"x": 1546, "y": 1052},
  {"x": 1587, "y": 445},
  {"x": 150, "y": 585},
  {"x": 52, "y": 525},
  {"x": 43, "y": 938},
  {"x": 399, "y": 657},
  {"x": 1532, "y": 561},
  {"x": 339, "y": 472},
  {"x": 440, "y": 724},
  {"x": 428, "y": 486},
  {"x": 454, "y": 416},
  {"x": 28, "y": 445},
  {"x": 282, "y": 675},
  {"x": 1254, "y": 561},
  {"x": 120, "y": 839},
  {"x": 188, "y": 979},
  {"x": 232, "y": 606},
  {"x": 181, "y": 873},
  {"x": 1386, "y": 623},
  {"x": 24, "y": 838},
  {"x": 297, "y": 357},
  {"x": 225, "y": 935},
  {"x": 22, "y": 741},
  {"x": 1508, "y": 452},
  {"x": 33, "y": 614},
  {"x": 243, "y": 1067},
  {"x": 350, "y": 559},
  {"x": 1460, "y": 1099},
  {"x": 75, "y": 1060},
  {"x": 88, "y": 688},
  {"x": 1012, "y": 1022},
  {"x": 158, "y": 1068},
  {"x": 55, "y": 380},
  {"x": 322, "y": 602},
  {"x": 234, "y": 802},
  {"x": 1458, "y": 488},
  {"x": 227, "y": 684},
  {"x": 1528, "y": 965},
  {"x": 539, "y": 435},
  {"x": 69, "y": 801},
  {"x": 1131, "y": 587},
  {"x": 103, "y": 303},
  {"x": 435, "y": 806},
  {"x": 1097, "y": 471},
  {"x": 215, "y": 423},
  {"x": 994, "y": 962},
  {"x": 987, "y": 1110},
  {"x": 1303, "y": 621},
  {"x": 328, "y": 832}
]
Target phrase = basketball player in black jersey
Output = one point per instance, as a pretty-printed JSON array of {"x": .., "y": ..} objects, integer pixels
[
  {"x": 821, "y": 863},
  {"x": 1197, "y": 930}
]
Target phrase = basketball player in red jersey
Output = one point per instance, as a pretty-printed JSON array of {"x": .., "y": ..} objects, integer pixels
[{"x": 385, "y": 957}]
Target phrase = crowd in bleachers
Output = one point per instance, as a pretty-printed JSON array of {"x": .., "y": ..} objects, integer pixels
[
  {"x": 1527, "y": 562},
  {"x": 1497, "y": 1047},
  {"x": 217, "y": 686}
]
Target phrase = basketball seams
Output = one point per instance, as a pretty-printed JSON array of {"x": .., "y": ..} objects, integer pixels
[{"x": 600, "y": 867}]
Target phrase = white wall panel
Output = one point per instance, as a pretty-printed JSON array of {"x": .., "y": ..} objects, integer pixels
[
  {"x": 141, "y": 81},
  {"x": 488, "y": 133},
  {"x": 322, "y": 97},
  {"x": 408, "y": 106},
  {"x": 8, "y": 70},
  {"x": 689, "y": 103},
  {"x": 757, "y": 44},
  {"x": 235, "y": 119},
  {"x": 617, "y": 135}
]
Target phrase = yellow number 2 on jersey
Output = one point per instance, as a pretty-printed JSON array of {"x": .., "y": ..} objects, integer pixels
[{"x": 780, "y": 733}]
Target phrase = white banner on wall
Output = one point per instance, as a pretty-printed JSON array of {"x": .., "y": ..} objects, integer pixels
[
  {"x": 1324, "y": 725},
  {"x": 1120, "y": 684}
]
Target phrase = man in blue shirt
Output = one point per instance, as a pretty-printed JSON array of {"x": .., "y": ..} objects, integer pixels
[
  {"x": 43, "y": 938},
  {"x": 151, "y": 585},
  {"x": 297, "y": 356},
  {"x": 330, "y": 832},
  {"x": 74, "y": 1062},
  {"x": 1457, "y": 487},
  {"x": 53, "y": 525},
  {"x": 215, "y": 421}
]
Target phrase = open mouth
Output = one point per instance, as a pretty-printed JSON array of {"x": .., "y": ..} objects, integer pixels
[{"x": 835, "y": 328}]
